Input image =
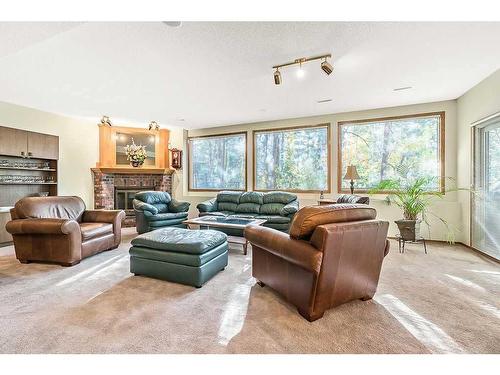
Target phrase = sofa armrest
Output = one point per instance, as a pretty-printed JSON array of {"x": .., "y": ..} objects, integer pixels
[
  {"x": 103, "y": 216},
  {"x": 42, "y": 226},
  {"x": 290, "y": 208},
  {"x": 142, "y": 206},
  {"x": 178, "y": 206},
  {"x": 208, "y": 206},
  {"x": 298, "y": 252}
]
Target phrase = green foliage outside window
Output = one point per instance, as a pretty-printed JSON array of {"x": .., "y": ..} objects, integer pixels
[
  {"x": 218, "y": 162},
  {"x": 380, "y": 149},
  {"x": 292, "y": 159}
]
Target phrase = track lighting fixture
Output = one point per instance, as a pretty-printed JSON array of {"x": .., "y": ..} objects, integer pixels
[
  {"x": 325, "y": 66},
  {"x": 153, "y": 125},
  {"x": 277, "y": 77},
  {"x": 106, "y": 121}
]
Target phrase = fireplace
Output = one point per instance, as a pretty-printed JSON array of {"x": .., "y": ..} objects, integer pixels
[
  {"x": 124, "y": 198},
  {"x": 115, "y": 188}
]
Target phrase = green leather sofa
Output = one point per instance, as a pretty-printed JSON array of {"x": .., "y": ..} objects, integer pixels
[
  {"x": 157, "y": 209},
  {"x": 277, "y": 207},
  {"x": 184, "y": 256}
]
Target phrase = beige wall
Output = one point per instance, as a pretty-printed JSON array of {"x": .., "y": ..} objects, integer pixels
[
  {"x": 479, "y": 102},
  {"x": 78, "y": 145},
  {"x": 449, "y": 208}
]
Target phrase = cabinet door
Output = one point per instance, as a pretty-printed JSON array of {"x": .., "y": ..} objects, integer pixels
[
  {"x": 43, "y": 146},
  {"x": 13, "y": 142}
]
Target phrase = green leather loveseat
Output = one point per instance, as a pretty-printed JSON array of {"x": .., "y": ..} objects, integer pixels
[
  {"x": 157, "y": 209},
  {"x": 277, "y": 207}
]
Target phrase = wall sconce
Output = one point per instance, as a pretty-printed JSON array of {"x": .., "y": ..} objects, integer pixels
[
  {"x": 176, "y": 157},
  {"x": 106, "y": 121},
  {"x": 153, "y": 125}
]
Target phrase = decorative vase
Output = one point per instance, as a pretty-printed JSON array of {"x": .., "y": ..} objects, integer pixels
[
  {"x": 136, "y": 164},
  {"x": 409, "y": 230}
]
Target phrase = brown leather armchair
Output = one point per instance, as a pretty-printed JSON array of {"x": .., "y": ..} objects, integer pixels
[
  {"x": 60, "y": 230},
  {"x": 332, "y": 255}
]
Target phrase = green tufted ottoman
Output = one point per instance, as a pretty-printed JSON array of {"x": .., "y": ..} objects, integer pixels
[{"x": 183, "y": 256}]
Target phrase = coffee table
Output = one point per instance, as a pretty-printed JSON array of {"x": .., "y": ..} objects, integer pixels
[{"x": 232, "y": 222}]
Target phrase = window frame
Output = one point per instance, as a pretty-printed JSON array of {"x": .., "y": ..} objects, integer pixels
[
  {"x": 290, "y": 128},
  {"x": 189, "y": 166},
  {"x": 440, "y": 153}
]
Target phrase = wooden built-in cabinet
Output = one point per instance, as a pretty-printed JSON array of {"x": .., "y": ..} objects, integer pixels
[
  {"x": 28, "y": 164},
  {"x": 13, "y": 142},
  {"x": 43, "y": 146}
]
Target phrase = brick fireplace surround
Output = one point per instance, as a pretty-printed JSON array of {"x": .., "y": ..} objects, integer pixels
[{"x": 106, "y": 182}]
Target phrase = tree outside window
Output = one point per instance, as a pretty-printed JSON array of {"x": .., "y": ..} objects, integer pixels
[
  {"x": 409, "y": 146},
  {"x": 295, "y": 159},
  {"x": 217, "y": 162}
]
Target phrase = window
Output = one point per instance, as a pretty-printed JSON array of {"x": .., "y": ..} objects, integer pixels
[
  {"x": 217, "y": 162},
  {"x": 407, "y": 146},
  {"x": 293, "y": 159}
]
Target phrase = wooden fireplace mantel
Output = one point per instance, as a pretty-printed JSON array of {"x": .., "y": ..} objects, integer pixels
[
  {"x": 107, "y": 151},
  {"x": 131, "y": 170}
]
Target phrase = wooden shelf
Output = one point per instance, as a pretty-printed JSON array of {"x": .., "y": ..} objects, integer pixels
[
  {"x": 28, "y": 183},
  {"x": 30, "y": 169},
  {"x": 131, "y": 170}
]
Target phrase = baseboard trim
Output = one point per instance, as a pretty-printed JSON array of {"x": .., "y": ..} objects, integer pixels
[{"x": 478, "y": 252}]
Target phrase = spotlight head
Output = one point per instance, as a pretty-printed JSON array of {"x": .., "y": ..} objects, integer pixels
[
  {"x": 277, "y": 77},
  {"x": 327, "y": 67}
]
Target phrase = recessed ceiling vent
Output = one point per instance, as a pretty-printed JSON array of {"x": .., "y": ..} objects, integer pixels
[{"x": 324, "y": 101}]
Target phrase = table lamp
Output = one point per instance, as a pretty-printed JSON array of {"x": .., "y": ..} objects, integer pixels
[{"x": 351, "y": 174}]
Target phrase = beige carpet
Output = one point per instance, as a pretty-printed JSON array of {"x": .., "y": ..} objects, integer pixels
[{"x": 446, "y": 301}]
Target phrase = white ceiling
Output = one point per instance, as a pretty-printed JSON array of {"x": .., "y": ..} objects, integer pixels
[{"x": 219, "y": 73}]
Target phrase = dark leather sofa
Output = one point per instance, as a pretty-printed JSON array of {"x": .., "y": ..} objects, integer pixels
[
  {"x": 351, "y": 198},
  {"x": 332, "y": 255},
  {"x": 276, "y": 207},
  {"x": 157, "y": 209},
  {"x": 60, "y": 230}
]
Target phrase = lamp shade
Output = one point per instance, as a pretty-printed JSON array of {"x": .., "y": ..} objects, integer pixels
[{"x": 351, "y": 173}]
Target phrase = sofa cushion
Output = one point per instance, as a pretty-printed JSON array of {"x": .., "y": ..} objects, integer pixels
[
  {"x": 167, "y": 216},
  {"x": 93, "y": 230},
  {"x": 252, "y": 197},
  {"x": 279, "y": 197},
  {"x": 271, "y": 208},
  {"x": 161, "y": 207},
  {"x": 166, "y": 223},
  {"x": 228, "y": 196},
  {"x": 181, "y": 240},
  {"x": 274, "y": 219},
  {"x": 308, "y": 218},
  {"x": 227, "y": 206},
  {"x": 58, "y": 207},
  {"x": 153, "y": 197},
  {"x": 350, "y": 198},
  {"x": 248, "y": 208}
]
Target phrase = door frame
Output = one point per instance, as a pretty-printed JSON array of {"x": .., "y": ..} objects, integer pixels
[{"x": 474, "y": 127}]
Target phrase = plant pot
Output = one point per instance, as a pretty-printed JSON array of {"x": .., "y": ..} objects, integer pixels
[
  {"x": 409, "y": 230},
  {"x": 136, "y": 164}
]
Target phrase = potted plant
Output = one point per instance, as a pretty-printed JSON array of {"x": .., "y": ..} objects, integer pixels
[
  {"x": 414, "y": 197},
  {"x": 136, "y": 154}
]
